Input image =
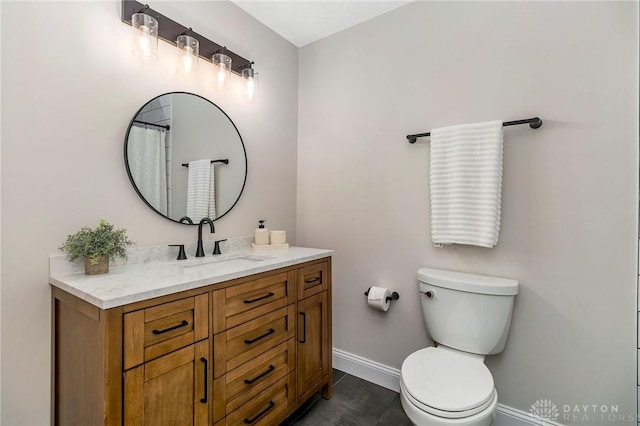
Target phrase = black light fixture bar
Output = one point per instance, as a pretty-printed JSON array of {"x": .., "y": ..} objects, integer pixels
[
  {"x": 169, "y": 30},
  {"x": 534, "y": 123}
]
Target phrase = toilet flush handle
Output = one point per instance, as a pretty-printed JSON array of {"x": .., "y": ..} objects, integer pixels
[{"x": 429, "y": 294}]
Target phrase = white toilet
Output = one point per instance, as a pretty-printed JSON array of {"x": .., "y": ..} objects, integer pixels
[{"x": 468, "y": 316}]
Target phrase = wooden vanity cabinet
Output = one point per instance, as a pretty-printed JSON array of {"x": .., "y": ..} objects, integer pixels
[{"x": 248, "y": 351}]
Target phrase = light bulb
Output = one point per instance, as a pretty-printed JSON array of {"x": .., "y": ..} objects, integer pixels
[
  {"x": 251, "y": 88},
  {"x": 143, "y": 41},
  {"x": 146, "y": 36},
  {"x": 187, "y": 60},
  {"x": 251, "y": 82},
  {"x": 222, "y": 64},
  {"x": 222, "y": 76},
  {"x": 188, "y": 51}
]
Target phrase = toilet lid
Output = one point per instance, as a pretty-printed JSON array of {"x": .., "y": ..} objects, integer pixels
[{"x": 447, "y": 381}]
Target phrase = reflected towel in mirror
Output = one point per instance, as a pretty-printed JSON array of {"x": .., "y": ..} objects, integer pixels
[{"x": 201, "y": 199}]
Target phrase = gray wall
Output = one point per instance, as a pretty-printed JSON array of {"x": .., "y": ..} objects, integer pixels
[
  {"x": 569, "y": 202},
  {"x": 67, "y": 101}
]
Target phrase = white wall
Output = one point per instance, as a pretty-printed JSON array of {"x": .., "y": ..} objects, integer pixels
[
  {"x": 569, "y": 189},
  {"x": 67, "y": 101}
]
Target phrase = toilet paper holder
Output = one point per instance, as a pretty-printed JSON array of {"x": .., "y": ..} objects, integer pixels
[{"x": 394, "y": 295}]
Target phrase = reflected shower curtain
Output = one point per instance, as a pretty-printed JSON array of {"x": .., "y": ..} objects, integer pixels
[{"x": 147, "y": 162}]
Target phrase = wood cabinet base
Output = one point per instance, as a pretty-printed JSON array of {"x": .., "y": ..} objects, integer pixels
[{"x": 248, "y": 351}]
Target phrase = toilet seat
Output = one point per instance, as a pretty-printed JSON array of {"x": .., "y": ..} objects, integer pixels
[
  {"x": 447, "y": 414},
  {"x": 447, "y": 383}
]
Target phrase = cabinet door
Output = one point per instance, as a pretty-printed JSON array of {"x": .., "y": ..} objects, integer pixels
[
  {"x": 313, "y": 342},
  {"x": 170, "y": 390}
]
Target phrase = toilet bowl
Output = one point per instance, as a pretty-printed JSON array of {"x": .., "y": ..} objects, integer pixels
[
  {"x": 440, "y": 387},
  {"x": 468, "y": 316}
]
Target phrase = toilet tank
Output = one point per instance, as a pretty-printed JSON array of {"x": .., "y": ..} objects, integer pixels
[{"x": 468, "y": 312}]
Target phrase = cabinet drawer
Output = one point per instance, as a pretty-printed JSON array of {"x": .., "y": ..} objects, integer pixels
[
  {"x": 240, "y": 344},
  {"x": 249, "y": 380},
  {"x": 268, "y": 408},
  {"x": 158, "y": 330},
  {"x": 241, "y": 303},
  {"x": 312, "y": 280}
]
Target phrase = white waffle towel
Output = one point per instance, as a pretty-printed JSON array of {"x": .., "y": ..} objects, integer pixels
[
  {"x": 200, "y": 191},
  {"x": 465, "y": 182}
]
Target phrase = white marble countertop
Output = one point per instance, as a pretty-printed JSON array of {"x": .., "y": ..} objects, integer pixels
[{"x": 153, "y": 277}]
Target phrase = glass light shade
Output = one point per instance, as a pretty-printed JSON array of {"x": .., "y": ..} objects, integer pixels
[
  {"x": 146, "y": 36},
  {"x": 222, "y": 66},
  {"x": 251, "y": 82},
  {"x": 188, "y": 53}
]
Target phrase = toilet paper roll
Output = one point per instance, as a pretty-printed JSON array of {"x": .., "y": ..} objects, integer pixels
[{"x": 377, "y": 298}]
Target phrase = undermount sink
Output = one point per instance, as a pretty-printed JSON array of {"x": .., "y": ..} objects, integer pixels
[{"x": 223, "y": 261}]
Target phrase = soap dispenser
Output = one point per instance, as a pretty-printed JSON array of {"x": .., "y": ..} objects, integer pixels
[{"x": 261, "y": 234}]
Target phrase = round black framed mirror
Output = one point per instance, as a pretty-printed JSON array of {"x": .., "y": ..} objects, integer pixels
[{"x": 185, "y": 158}]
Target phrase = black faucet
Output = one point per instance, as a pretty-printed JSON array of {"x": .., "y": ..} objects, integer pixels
[{"x": 200, "y": 249}]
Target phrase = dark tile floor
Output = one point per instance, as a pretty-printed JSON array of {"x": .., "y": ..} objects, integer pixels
[{"x": 355, "y": 402}]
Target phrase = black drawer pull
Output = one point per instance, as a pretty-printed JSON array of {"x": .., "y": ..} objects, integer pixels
[
  {"x": 312, "y": 280},
  {"x": 206, "y": 374},
  {"x": 266, "y": 296},
  {"x": 271, "y": 331},
  {"x": 269, "y": 370},
  {"x": 182, "y": 324},
  {"x": 304, "y": 327},
  {"x": 261, "y": 413}
]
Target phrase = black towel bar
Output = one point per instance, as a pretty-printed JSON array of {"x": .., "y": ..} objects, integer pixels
[
  {"x": 225, "y": 161},
  {"x": 534, "y": 123}
]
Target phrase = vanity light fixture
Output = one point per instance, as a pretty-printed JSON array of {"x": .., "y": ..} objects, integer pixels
[
  {"x": 222, "y": 65},
  {"x": 188, "y": 52},
  {"x": 160, "y": 26},
  {"x": 251, "y": 77},
  {"x": 146, "y": 43}
]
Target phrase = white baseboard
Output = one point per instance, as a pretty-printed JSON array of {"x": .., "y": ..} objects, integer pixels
[
  {"x": 366, "y": 369},
  {"x": 508, "y": 416},
  {"x": 389, "y": 378}
]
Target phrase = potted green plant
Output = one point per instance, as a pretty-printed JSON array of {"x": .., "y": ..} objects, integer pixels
[{"x": 96, "y": 245}]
